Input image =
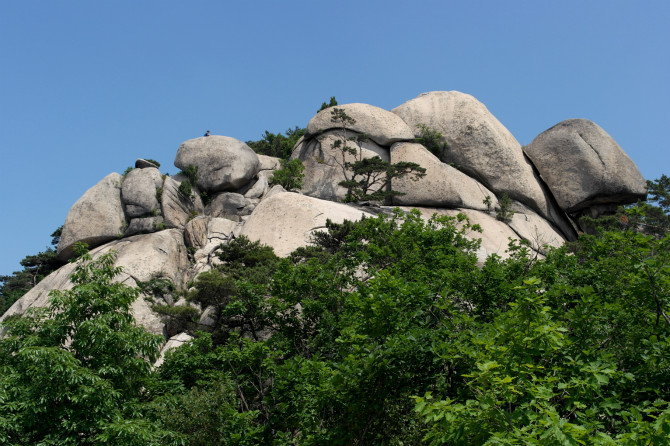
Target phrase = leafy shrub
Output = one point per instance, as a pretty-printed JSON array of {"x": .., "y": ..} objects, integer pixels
[
  {"x": 153, "y": 162},
  {"x": 433, "y": 140},
  {"x": 290, "y": 176},
  {"x": 277, "y": 145},
  {"x": 185, "y": 188},
  {"x": 505, "y": 213}
]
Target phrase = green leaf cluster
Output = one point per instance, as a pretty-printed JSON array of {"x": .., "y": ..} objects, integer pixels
[{"x": 278, "y": 145}]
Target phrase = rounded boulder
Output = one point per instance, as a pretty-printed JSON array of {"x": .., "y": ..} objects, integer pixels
[{"x": 223, "y": 163}]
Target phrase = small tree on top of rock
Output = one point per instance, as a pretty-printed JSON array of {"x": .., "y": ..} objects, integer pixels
[{"x": 367, "y": 178}]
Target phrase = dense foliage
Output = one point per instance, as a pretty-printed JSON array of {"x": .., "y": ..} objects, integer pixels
[
  {"x": 384, "y": 331},
  {"x": 278, "y": 145},
  {"x": 35, "y": 268}
]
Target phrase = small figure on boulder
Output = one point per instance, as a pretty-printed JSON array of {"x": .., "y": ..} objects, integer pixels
[{"x": 207, "y": 133}]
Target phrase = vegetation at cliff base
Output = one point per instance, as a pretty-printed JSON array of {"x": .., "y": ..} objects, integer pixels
[{"x": 385, "y": 331}]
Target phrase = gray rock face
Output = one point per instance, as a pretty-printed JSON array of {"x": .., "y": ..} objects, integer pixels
[
  {"x": 228, "y": 205},
  {"x": 583, "y": 166},
  {"x": 268, "y": 162},
  {"x": 294, "y": 218},
  {"x": 139, "y": 191},
  {"x": 144, "y": 225},
  {"x": 223, "y": 163},
  {"x": 96, "y": 218},
  {"x": 381, "y": 126},
  {"x": 324, "y": 164},
  {"x": 178, "y": 208},
  {"x": 443, "y": 186},
  {"x": 195, "y": 232}
]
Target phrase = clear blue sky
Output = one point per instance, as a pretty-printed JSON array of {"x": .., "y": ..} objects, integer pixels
[{"x": 86, "y": 87}]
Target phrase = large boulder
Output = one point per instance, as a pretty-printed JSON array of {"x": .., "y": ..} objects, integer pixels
[
  {"x": 443, "y": 186},
  {"x": 478, "y": 144},
  {"x": 223, "y": 163},
  {"x": 139, "y": 191},
  {"x": 381, "y": 126},
  {"x": 294, "y": 218},
  {"x": 96, "y": 218},
  {"x": 583, "y": 166},
  {"x": 324, "y": 163}
]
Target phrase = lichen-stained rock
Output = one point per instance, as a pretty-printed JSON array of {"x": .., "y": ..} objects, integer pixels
[
  {"x": 381, "y": 126},
  {"x": 177, "y": 208},
  {"x": 223, "y": 163},
  {"x": 96, "y": 218},
  {"x": 324, "y": 163},
  {"x": 583, "y": 166},
  {"x": 443, "y": 186},
  {"x": 142, "y": 258},
  {"x": 478, "y": 144},
  {"x": 139, "y": 191},
  {"x": 294, "y": 218}
]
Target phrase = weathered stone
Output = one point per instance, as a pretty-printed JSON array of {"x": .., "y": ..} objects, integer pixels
[
  {"x": 174, "y": 342},
  {"x": 142, "y": 164},
  {"x": 226, "y": 205},
  {"x": 381, "y": 126},
  {"x": 443, "y": 186},
  {"x": 195, "y": 232},
  {"x": 139, "y": 191},
  {"x": 294, "y": 219},
  {"x": 208, "y": 317},
  {"x": 145, "y": 225},
  {"x": 96, "y": 218},
  {"x": 178, "y": 208},
  {"x": 261, "y": 185},
  {"x": 223, "y": 163},
  {"x": 535, "y": 229},
  {"x": 584, "y": 166},
  {"x": 324, "y": 164},
  {"x": 268, "y": 162}
]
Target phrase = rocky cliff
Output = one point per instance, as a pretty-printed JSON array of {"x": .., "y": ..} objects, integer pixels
[{"x": 163, "y": 229}]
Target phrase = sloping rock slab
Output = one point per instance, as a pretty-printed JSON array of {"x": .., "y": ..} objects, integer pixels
[
  {"x": 584, "y": 166},
  {"x": 142, "y": 258},
  {"x": 223, "y": 163},
  {"x": 176, "y": 207},
  {"x": 96, "y": 218},
  {"x": 382, "y": 126},
  {"x": 294, "y": 218},
  {"x": 443, "y": 186}
]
